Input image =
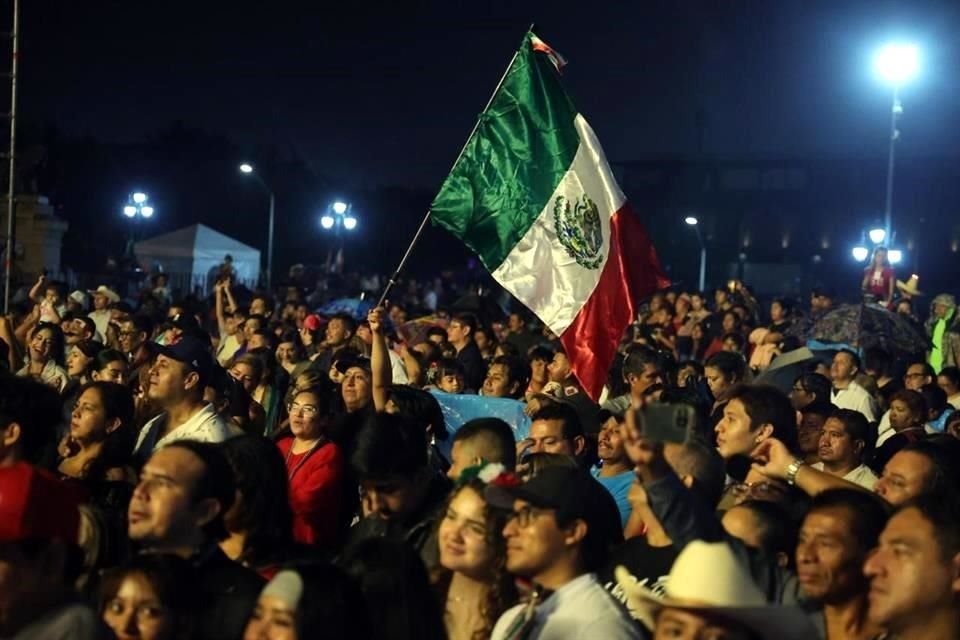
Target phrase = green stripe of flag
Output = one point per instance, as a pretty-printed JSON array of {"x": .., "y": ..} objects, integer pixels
[{"x": 523, "y": 146}]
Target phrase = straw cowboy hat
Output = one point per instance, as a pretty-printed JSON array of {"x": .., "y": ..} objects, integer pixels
[
  {"x": 707, "y": 578},
  {"x": 909, "y": 288}
]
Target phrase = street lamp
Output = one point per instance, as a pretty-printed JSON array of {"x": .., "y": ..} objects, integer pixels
[
  {"x": 247, "y": 169},
  {"x": 896, "y": 63},
  {"x": 693, "y": 222},
  {"x": 860, "y": 253},
  {"x": 895, "y": 256},
  {"x": 136, "y": 207},
  {"x": 338, "y": 216},
  {"x": 877, "y": 235}
]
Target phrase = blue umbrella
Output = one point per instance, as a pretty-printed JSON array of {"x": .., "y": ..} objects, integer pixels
[{"x": 351, "y": 306}]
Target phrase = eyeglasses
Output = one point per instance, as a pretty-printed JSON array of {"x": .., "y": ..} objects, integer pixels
[
  {"x": 128, "y": 333},
  {"x": 799, "y": 389},
  {"x": 760, "y": 490},
  {"x": 525, "y": 517},
  {"x": 915, "y": 375},
  {"x": 308, "y": 410}
]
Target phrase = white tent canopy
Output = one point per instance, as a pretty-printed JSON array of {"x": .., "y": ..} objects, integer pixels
[{"x": 190, "y": 256}]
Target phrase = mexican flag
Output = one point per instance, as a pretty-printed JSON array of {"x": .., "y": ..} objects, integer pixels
[{"x": 533, "y": 196}]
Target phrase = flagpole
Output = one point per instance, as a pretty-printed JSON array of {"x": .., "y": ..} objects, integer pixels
[{"x": 423, "y": 223}]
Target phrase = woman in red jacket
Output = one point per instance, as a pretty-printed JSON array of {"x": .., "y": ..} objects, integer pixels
[{"x": 315, "y": 469}]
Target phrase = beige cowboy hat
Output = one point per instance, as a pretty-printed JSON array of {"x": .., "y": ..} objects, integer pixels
[
  {"x": 910, "y": 286},
  {"x": 708, "y": 578}
]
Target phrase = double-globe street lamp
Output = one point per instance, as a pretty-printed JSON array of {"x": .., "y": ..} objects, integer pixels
[{"x": 137, "y": 207}]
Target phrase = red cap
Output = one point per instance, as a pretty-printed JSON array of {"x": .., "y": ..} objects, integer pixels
[
  {"x": 311, "y": 322},
  {"x": 35, "y": 504}
]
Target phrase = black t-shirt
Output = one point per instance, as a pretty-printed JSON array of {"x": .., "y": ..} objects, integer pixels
[{"x": 649, "y": 565}]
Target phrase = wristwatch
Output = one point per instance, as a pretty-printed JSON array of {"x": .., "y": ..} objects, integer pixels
[{"x": 793, "y": 469}]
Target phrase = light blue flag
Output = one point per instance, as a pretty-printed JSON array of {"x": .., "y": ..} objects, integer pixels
[{"x": 461, "y": 408}]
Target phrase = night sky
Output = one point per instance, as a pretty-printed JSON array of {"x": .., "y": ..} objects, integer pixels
[{"x": 385, "y": 93}]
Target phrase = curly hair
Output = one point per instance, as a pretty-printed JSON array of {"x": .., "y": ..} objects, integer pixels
[{"x": 502, "y": 592}]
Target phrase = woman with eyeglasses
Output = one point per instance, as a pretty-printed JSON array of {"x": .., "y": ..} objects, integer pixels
[
  {"x": 315, "y": 468},
  {"x": 471, "y": 579}
]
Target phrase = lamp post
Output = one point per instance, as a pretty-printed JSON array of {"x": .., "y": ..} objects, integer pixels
[
  {"x": 896, "y": 63},
  {"x": 338, "y": 216},
  {"x": 247, "y": 169},
  {"x": 137, "y": 207},
  {"x": 693, "y": 222}
]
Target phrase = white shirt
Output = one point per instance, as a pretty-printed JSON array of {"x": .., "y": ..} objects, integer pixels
[
  {"x": 229, "y": 345},
  {"x": 397, "y": 369},
  {"x": 855, "y": 397},
  {"x": 101, "y": 319},
  {"x": 862, "y": 475},
  {"x": 203, "y": 426},
  {"x": 579, "y": 610},
  {"x": 954, "y": 401}
]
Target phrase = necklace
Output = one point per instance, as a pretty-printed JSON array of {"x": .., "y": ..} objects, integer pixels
[{"x": 304, "y": 456}]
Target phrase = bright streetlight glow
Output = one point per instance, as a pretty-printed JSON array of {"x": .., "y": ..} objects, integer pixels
[
  {"x": 339, "y": 208},
  {"x": 860, "y": 253},
  {"x": 246, "y": 168},
  {"x": 895, "y": 256},
  {"x": 129, "y": 211},
  {"x": 349, "y": 223},
  {"x": 146, "y": 211},
  {"x": 139, "y": 198},
  {"x": 326, "y": 222},
  {"x": 691, "y": 220},
  {"x": 877, "y": 235},
  {"x": 897, "y": 63}
]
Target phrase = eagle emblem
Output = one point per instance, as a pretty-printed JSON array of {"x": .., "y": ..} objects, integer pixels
[{"x": 578, "y": 228}]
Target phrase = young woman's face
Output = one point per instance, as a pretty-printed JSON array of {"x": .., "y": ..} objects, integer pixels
[
  {"x": 272, "y": 619},
  {"x": 463, "y": 536},
  {"x": 900, "y": 415},
  {"x": 717, "y": 382},
  {"x": 88, "y": 422},
  {"x": 77, "y": 363},
  {"x": 41, "y": 345},
  {"x": 286, "y": 352},
  {"x": 776, "y": 312},
  {"x": 135, "y": 611}
]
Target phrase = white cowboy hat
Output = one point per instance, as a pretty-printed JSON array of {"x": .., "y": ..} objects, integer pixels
[
  {"x": 707, "y": 578},
  {"x": 910, "y": 286},
  {"x": 104, "y": 290}
]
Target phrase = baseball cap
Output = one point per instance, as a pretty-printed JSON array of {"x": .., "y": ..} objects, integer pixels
[
  {"x": 79, "y": 297},
  {"x": 35, "y": 504},
  {"x": 571, "y": 492},
  {"x": 312, "y": 322},
  {"x": 192, "y": 352},
  {"x": 185, "y": 322},
  {"x": 348, "y": 362},
  {"x": 104, "y": 290}
]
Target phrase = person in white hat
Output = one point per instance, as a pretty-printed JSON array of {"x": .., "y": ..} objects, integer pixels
[
  {"x": 709, "y": 593},
  {"x": 103, "y": 297}
]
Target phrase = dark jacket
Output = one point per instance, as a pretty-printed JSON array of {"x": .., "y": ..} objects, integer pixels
[
  {"x": 472, "y": 361},
  {"x": 418, "y": 530},
  {"x": 228, "y": 591},
  {"x": 685, "y": 517}
]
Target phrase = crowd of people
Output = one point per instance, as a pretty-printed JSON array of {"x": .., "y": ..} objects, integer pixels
[{"x": 242, "y": 467}]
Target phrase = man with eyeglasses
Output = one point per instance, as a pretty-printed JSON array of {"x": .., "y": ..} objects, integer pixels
[
  {"x": 561, "y": 529},
  {"x": 918, "y": 374},
  {"x": 134, "y": 334},
  {"x": 460, "y": 334}
]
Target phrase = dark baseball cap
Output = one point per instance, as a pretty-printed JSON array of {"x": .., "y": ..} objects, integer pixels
[
  {"x": 192, "y": 352},
  {"x": 348, "y": 362},
  {"x": 572, "y": 492}
]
